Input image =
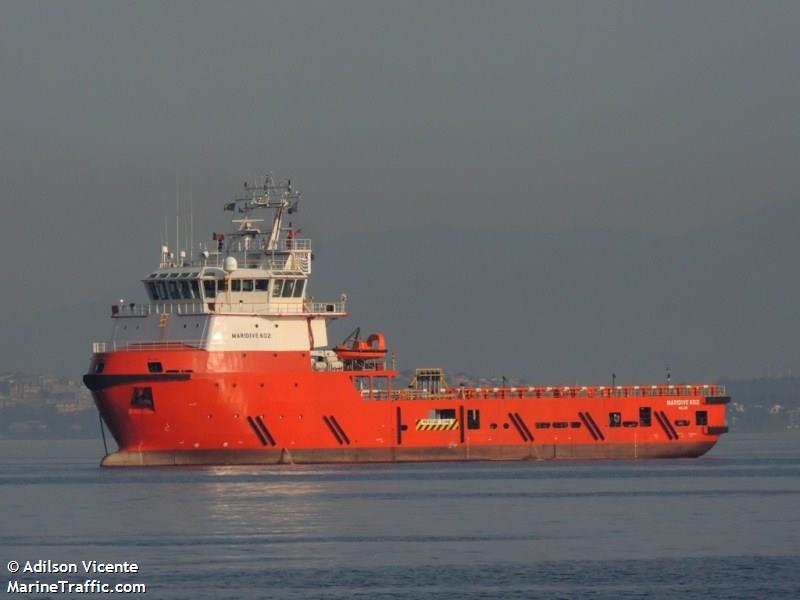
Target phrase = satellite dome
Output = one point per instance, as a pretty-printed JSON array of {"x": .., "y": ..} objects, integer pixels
[{"x": 230, "y": 264}]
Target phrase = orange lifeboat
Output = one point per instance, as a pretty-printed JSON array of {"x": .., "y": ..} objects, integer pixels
[{"x": 373, "y": 348}]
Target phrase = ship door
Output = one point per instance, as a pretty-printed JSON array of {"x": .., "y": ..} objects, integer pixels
[
  {"x": 470, "y": 421},
  {"x": 399, "y": 427}
]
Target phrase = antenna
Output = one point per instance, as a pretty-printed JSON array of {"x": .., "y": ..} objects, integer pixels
[
  {"x": 186, "y": 243},
  {"x": 177, "y": 215},
  {"x": 191, "y": 218}
]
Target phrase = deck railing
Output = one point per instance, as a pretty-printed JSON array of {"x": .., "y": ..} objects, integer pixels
[
  {"x": 131, "y": 346},
  {"x": 211, "y": 307},
  {"x": 300, "y": 248},
  {"x": 621, "y": 391}
]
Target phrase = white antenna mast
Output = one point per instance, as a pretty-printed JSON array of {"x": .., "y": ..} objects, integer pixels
[
  {"x": 191, "y": 218},
  {"x": 186, "y": 243},
  {"x": 177, "y": 215}
]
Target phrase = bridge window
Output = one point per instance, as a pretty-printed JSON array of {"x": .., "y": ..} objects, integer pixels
[
  {"x": 236, "y": 285},
  {"x": 222, "y": 285},
  {"x": 174, "y": 292},
  {"x": 152, "y": 290},
  {"x": 277, "y": 286},
  {"x": 288, "y": 288},
  {"x": 262, "y": 285},
  {"x": 155, "y": 367},
  {"x": 195, "y": 288},
  {"x": 298, "y": 288},
  {"x": 701, "y": 417},
  {"x": 186, "y": 290},
  {"x": 614, "y": 419},
  {"x": 560, "y": 424},
  {"x": 210, "y": 288},
  {"x": 542, "y": 425},
  {"x": 645, "y": 416},
  {"x": 247, "y": 285},
  {"x": 473, "y": 419}
]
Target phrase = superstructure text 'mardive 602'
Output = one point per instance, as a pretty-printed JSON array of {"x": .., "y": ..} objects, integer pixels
[{"x": 228, "y": 362}]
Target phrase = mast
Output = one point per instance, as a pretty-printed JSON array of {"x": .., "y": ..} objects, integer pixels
[
  {"x": 278, "y": 196},
  {"x": 177, "y": 216}
]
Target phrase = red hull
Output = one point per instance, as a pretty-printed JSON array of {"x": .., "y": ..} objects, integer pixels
[{"x": 272, "y": 407}]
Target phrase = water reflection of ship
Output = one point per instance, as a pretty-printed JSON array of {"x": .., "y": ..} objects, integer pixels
[{"x": 250, "y": 503}]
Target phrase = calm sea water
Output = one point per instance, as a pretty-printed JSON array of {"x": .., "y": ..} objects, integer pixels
[{"x": 723, "y": 526}]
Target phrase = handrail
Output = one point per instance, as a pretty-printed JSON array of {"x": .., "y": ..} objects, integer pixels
[
  {"x": 194, "y": 308},
  {"x": 626, "y": 391},
  {"x": 132, "y": 346},
  {"x": 255, "y": 254}
]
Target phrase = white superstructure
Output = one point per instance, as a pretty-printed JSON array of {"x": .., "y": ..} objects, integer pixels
[{"x": 250, "y": 292}]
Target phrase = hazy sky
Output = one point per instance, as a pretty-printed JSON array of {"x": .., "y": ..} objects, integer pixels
[{"x": 653, "y": 117}]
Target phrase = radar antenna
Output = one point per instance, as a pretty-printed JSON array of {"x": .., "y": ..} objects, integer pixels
[{"x": 276, "y": 195}]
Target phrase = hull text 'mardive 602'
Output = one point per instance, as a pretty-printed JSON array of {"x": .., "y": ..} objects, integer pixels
[{"x": 228, "y": 363}]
